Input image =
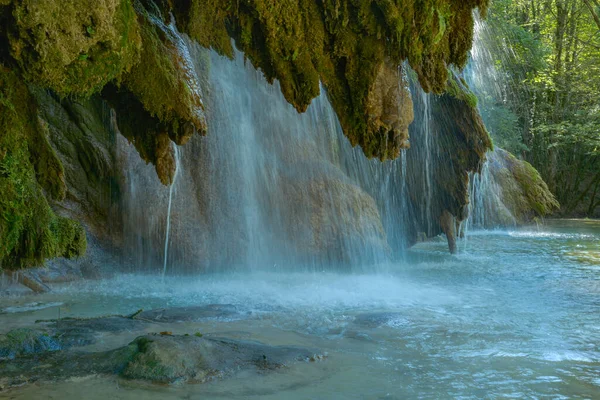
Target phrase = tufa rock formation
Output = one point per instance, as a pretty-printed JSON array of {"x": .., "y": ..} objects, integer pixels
[
  {"x": 127, "y": 54},
  {"x": 521, "y": 188}
]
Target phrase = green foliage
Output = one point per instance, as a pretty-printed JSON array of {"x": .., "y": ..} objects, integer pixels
[{"x": 542, "y": 102}]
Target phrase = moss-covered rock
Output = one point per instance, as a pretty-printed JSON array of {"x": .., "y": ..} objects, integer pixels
[
  {"x": 74, "y": 47},
  {"x": 165, "y": 81},
  {"x": 343, "y": 44},
  {"x": 524, "y": 192},
  {"x": 462, "y": 142},
  {"x": 130, "y": 53},
  {"x": 457, "y": 87},
  {"x": 24, "y": 341},
  {"x": 30, "y": 230},
  {"x": 156, "y": 358}
]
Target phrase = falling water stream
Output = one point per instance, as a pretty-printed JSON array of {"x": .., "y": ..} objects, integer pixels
[
  {"x": 426, "y": 131},
  {"x": 171, "y": 190}
]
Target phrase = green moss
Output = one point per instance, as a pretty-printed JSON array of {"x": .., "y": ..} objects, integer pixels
[
  {"x": 24, "y": 341},
  {"x": 523, "y": 190},
  {"x": 534, "y": 188},
  {"x": 164, "y": 81},
  {"x": 148, "y": 363},
  {"x": 340, "y": 43},
  {"x": 458, "y": 88},
  {"x": 74, "y": 47},
  {"x": 30, "y": 230}
]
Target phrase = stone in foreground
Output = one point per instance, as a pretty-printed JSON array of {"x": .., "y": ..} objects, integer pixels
[{"x": 164, "y": 359}]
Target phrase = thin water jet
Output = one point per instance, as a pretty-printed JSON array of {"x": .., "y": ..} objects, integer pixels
[{"x": 171, "y": 189}]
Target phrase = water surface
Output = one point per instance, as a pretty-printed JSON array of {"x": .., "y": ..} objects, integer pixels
[{"x": 515, "y": 315}]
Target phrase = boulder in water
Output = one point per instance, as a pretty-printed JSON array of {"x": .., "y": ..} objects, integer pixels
[
  {"x": 24, "y": 341},
  {"x": 169, "y": 359},
  {"x": 523, "y": 191},
  {"x": 158, "y": 359}
]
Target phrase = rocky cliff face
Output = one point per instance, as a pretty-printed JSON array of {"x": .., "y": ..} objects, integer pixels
[{"x": 73, "y": 73}]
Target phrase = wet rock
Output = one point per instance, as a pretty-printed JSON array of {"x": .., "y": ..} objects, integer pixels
[
  {"x": 519, "y": 188},
  {"x": 390, "y": 108},
  {"x": 165, "y": 159},
  {"x": 57, "y": 272},
  {"x": 62, "y": 365},
  {"x": 25, "y": 341},
  {"x": 158, "y": 359},
  {"x": 190, "y": 314},
  {"x": 169, "y": 359},
  {"x": 90, "y": 271},
  {"x": 448, "y": 224},
  {"x": 333, "y": 220}
]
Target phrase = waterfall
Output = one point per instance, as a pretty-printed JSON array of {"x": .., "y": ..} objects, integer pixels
[
  {"x": 426, "y": 131},
  {"x": 269, "y": 188},
  {"x": 486, "y": 204},
  {"x": 171, "y": 189}
]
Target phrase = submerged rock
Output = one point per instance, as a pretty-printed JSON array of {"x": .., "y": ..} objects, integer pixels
[
  {"x": 189, "y": 314},
  {"x": 62, "y": 334},
  {"x": 158, "y": 359},
  {"x": 20, "y": 342},
  {"x": 169, "y": 359},
  {"x": 82, "y": 332}
]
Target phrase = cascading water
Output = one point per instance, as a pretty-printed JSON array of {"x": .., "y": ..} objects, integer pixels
[
  {"x": 426, "y": 130},
  {"x": 271, "y": 188},
  {"x": 171, "y": 190},
  {"x": 486, "y": 206}
]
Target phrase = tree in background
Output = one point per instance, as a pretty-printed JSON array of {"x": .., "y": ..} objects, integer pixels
[{"x": 541, "y": 98}]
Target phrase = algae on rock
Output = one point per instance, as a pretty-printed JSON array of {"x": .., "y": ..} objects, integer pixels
[
  {"x": 129, "y": 54},
  {"x": 74, "y": 47},
  {"x": 524, "y": 192},
  {"x": 342, "y": 44},
  {"x": 30, "y": 230}
]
